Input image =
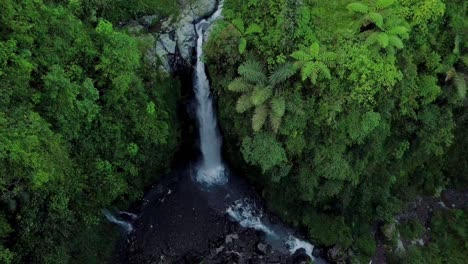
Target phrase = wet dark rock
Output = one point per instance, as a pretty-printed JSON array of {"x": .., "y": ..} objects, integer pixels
[
  {"x": 262, "y": 248},
  {"x": 317, "y": 252},
  {"x": 300, "y": 257}
]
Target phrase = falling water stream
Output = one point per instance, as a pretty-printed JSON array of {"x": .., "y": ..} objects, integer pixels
[
  {"x": 212, "y": 171},
  {"x": 211, "y": 174}
]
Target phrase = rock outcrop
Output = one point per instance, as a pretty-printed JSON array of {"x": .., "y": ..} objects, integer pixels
[{"x": 177, "y": 40}]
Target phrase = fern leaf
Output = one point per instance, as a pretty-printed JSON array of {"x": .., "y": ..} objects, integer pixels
[
  {"x": 278, "y": 106},
  {"x": 314, "y": 49},
  {"x": 382, "y": 4},
  {"x": 243, "y": 104},
  {"x": 275, "y": 122},
  {"x": 328, "y": 58},
  {"x": 260, "y": 95},
  {"x": 239, "y": 24},
  {"x": 242, "y": 45},
  {"x": 399, "y": 30},
  {"x": 307, "y": 70},
  {"x": 300, "y": 55},
  {"x": 383, "y": 39},
  {"x": 358, "y": 8},
  {"x": 239, "y": 85},
  {"x": 282, "y": 73},
  {"x": 253, "y": 29},
  {"x": 313, "y": 76},
  {"x": 252, "y": 71},
  {"x": 259, "y": 117},
  {"x": 372, "y": 38},
  {"x": 396, "y": 42},
  {"x": 324, "y": 69},
  {"x": 376, "y": 18}
]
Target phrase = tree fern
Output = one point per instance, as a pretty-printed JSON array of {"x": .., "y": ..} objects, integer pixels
[
  {"x": 252, "y": 71},
  {"x": 396, "y": 42},
  {"x": 259, "y": 117},
  {"x": 383, "y": 39},
  {"x": 275, "y": 122},
  {"x": 260, "y": 95},
  {"x": 243, "y": 104},
  {"x": 314, "y": 50},
  {"x": 301, "y": 55},
  {"x": 308, "y": 70},
  {"x": 239, "y": 85},
  {"x": 282, "y": 73},
  {"x": 399, "y": 30},
  {"x": 382, "y": 4},
  {"x": 376, "y": 18},
  {"x": 278, "y": 106},
  {"x": 358, "y": 7},
  {"x": 312, "y": 62}
]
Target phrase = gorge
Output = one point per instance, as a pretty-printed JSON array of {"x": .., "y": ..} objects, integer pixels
[{"x": 205, "y": 207}]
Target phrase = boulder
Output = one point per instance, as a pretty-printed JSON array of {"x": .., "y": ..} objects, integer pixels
[{"x": 262, "y": 248}]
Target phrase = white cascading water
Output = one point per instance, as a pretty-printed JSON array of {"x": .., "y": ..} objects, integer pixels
[
  {"x": 211, "y": 170},
  {"x": 126, "y": 226},
  {"x": 248, "y": 216}
]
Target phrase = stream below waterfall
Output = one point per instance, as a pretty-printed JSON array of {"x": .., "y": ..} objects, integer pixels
[{"x": 202, "y": 212}]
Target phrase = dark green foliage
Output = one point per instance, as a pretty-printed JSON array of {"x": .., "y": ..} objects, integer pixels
[
  {"x": 80, "y": 114},
  {"x": 376, "y": 119}
]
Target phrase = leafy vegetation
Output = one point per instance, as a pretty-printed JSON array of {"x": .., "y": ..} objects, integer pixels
[
  {"x": 374, "y": 108},
  {"x": 81, "y": 112}
]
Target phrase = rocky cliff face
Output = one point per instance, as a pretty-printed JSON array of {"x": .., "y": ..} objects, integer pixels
[
  {"x": 176, "y": 37},
  {"x": 173, "y": 38}
]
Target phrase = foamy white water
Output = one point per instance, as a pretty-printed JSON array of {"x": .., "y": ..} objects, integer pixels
[
  {"x": 126, "y": 226},
  {"x": 248, "y": 216},
  {"x": 211, "y": 170}
]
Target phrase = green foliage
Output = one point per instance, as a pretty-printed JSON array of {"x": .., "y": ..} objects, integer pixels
[
  {"x": 244, "y": 33},
  {"x": 80, "y": 113},
  {"x": 384, "y": 122},
  {"x": 263, "y": 150},
  {"x": 313, "y": 63},
  {"x": 258, "y": 92}
]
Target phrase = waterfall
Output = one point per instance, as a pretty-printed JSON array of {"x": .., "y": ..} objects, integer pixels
[{"x": 211, "y": 169}]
